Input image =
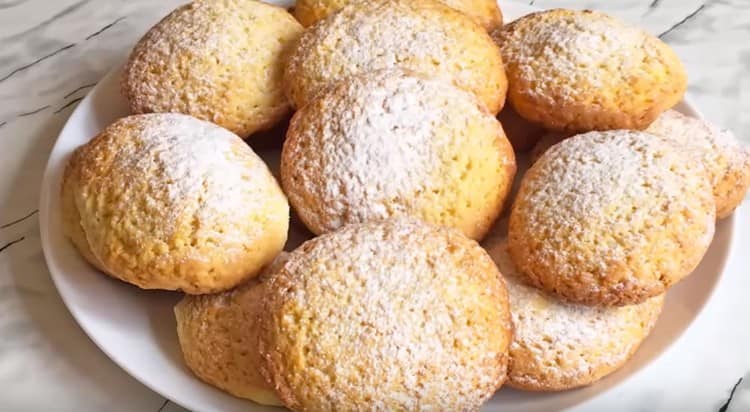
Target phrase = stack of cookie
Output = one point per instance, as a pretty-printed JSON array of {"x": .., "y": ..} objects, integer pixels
[{"x": 396, "y": 162}]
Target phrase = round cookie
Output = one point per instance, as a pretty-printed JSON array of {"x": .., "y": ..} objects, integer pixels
[
  {"x": 390, "y": 144},
  {"x": 611, "y": 218},
  {"x": 386, "y": 316},
  {"x": 217, "y": 60},
  {"x": 521, "y": 133},
  {"x": 167, "y": 201},
  {"x": 219, "y": 338},
  {"x": 484, "y": 12},
  {"x": 581, "y": 70},
  {"x": 425, "y": 36},
  {"x": 557, "y": 345},
  {"x": 727, "y": 161}
]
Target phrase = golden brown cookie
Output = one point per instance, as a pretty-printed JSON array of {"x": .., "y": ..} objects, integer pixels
[
  {"x": 390, "y": 144},
  {"x": 485, "y": 12},
  {"x": 424, "y": 36},
  {"x": 167, "y": 201},
  {"x": 218, "y": 60},
  {"x": 582, "y": 70},
  {"x": 218, "y": 336},
  {"x": 521, "y": 133},
  {"x": 396, "y": 315},
  {"x": 558, "y": 345},
  {"x": 727, "y": 161},
  {"x": 611, "y": 218}
]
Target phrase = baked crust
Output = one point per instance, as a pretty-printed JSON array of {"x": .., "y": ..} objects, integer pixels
[
  {"x": 167, "y": 201},
  {"x": 386, "y": 316},
  {"x": 391, "y": 143},
  {"x": 611, "y": 218},
  {"x": 424, "y": 36},
  {"x": 203, "y": 60},
  {"x": 582, "y": 70}
]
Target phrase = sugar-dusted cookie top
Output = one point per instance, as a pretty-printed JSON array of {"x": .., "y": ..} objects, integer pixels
[
  {"x": 559, "y": 345},
  {"x": 218, "y": 60},
  {"x": 424, "y": 36},
  {"x": 611, "y": 218},
  {"x": 582, "y": 70},
  {"x": 486, "y": 13},
  {"x": 392, "y": 143},
  {"x": 725, "y": 159},
  {"x": 386, "y": 316},
  {"x": 167, "y": 201}
]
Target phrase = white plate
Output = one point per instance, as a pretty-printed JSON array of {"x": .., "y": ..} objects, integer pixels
[{"x": 137, "y": 328}]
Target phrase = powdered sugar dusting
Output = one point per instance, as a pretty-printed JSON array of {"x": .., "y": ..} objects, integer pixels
[
  {"x": 364, "y": 45},
  {"x": 425, "y": 37},
  {"x": 725, "y": 159},
  {"x": 612, "y": 214},
  {"x": 714, "y": 147},
  {"x": 198, "y": 171},
  {"x": 382, "y": 144},
  {"x": 564, "y": 344},
  {"x": 589, "y": 177},
  {"x": 218, "y": 60},
  {"x": 377, "y": 150},
  {"x": 562, "y": 52},
  {"x": 424, "y": 304}
]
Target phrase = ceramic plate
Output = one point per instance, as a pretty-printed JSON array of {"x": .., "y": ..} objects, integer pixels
[{"x": 137, "y": 328}]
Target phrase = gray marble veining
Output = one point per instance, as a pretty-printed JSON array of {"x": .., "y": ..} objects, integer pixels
[{"x": 53, "y": 52}]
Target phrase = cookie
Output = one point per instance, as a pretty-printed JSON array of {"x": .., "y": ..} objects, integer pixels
[
  {"x": 558, "y": 345},
  {"x": 217, "y": 60},
  {"x": 611, "y": 218},
  {"x": 484, "y": 12},
  {"x": 521, "y": 133},
  {"x": 167, "y": 201},
  {"x": 424, "y": 36},
  {"x": 219, "y": 341},
  {"x": 386, "y": 316},
  {"x": 582, "y": 70},
  {"x": 392, "y": 143},
  {"x": 727, "y": 161}
]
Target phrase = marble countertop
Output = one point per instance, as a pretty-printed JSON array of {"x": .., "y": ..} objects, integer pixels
[{"x": 53, "y": 52}]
